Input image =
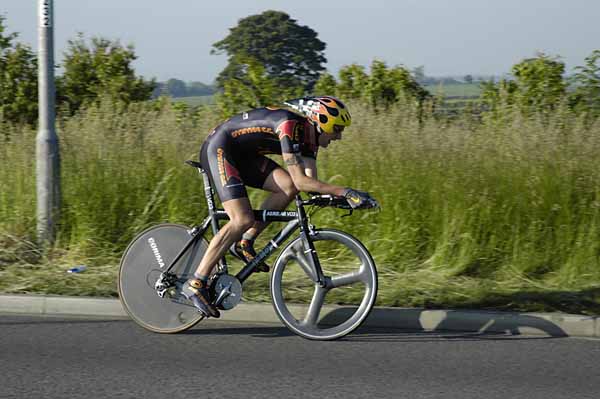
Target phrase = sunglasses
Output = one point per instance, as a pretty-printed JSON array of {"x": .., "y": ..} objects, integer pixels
[{"x": 338, "y": 128}]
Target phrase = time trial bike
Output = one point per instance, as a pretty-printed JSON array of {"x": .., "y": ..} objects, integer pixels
[{"x": 323, "y": 284}]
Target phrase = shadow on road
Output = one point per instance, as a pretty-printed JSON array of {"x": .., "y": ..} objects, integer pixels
[
  {"x": 408, "y": 325},
  {"x": 394, "y": 324},
  {"x": 435, "y": 321},
  {"x": 240, "y": 329},
  {"x": 371, "y": 334},
  {"x": 364, "y": 334}
]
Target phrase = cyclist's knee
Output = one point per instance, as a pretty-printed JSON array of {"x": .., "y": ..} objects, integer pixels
[
  {"x": 242, "y": 222},
  {"x": 241, "y": 217}
]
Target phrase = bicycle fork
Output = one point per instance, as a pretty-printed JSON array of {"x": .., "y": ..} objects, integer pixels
[{"x": 306, "y": 231}]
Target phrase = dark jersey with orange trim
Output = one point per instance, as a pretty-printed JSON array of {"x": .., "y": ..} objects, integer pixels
[
  {"x": 234, "y": 153},
  {"x": 268, "y": 131}
]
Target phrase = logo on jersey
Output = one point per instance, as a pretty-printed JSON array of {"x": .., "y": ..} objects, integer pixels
[
  {"x": 248, "y": 130},
  {"x": 227, "y": 172},
  {"x": 287, "y": 128}
]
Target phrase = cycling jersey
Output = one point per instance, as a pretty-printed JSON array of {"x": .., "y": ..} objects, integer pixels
[{"x": 234, "y": 152}]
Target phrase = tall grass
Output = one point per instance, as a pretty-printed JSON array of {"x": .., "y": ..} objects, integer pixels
[
  {"x": 473, "y": 212},
  {"x": 121, "y": 170}
]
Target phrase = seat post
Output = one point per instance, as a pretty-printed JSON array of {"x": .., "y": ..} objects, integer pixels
[
  {"x": 210, "y": 202},
  {"x": 208, "y": 192}
]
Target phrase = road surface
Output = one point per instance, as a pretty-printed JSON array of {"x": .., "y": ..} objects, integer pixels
[{"x": 50, "y": 357}]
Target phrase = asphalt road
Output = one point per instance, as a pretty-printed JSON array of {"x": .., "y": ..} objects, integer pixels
[{"x": 49, "y": 357}]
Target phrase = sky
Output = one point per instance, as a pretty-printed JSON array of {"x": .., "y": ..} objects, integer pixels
[{"x": 173, "y": 38}]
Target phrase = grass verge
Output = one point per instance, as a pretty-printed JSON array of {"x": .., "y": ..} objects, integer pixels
[
  {"x": 497, "y": 213},
  {"x": 411, "y": 289}
]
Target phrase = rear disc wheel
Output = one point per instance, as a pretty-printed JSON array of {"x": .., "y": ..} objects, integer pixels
[{"x": 146, "y": 257}]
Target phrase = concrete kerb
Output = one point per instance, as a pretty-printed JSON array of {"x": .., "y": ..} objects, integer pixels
[
  {"x": 60, "y": 305},
  {"x": 546, "y": 324}
]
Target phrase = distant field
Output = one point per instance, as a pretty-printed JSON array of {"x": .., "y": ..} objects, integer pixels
[
  {"x": 196, "y": 100},
  {"x": 447, "y": 90},
  {"x": 455, "y": 89}
]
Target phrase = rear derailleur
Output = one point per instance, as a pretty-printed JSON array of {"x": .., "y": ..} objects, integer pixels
[{"x": 166, "y": 281}]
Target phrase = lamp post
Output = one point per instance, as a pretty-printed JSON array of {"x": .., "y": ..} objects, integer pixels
[{"x": 47, "y": 150}]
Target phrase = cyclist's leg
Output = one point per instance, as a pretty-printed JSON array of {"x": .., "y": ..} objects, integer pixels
[
  {"x": 196, "y": 289},
  {"x": 226, "y": 180},
  {"x": 241, "y": 218},
  {"x": 263, "y": 173},
  {"x": 282, "y": 188},
  {"x": 223, "y": 171}
]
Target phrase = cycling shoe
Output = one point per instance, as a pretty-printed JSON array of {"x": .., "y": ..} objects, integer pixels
[{"x": 197, "y": 292}]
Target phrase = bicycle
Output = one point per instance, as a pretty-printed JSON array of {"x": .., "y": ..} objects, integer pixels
[{"x": 161, "y": 258}]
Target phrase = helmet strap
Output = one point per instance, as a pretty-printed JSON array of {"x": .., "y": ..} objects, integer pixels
[{"x": 317, "y": 128}]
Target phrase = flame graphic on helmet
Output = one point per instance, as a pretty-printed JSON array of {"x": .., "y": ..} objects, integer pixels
[{"x": 326, "y": 111}]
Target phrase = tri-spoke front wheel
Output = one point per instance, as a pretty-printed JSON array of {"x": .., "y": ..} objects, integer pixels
[{"x": 332, "y": 311}]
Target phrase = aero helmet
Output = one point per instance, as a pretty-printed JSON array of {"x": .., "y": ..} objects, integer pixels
[{"x": 325, "y": 111}]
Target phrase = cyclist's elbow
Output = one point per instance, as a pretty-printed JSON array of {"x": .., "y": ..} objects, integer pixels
[{"x": 302, "y": 183}]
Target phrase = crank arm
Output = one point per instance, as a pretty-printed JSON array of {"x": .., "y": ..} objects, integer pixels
[{"x": 223, "y": 294}]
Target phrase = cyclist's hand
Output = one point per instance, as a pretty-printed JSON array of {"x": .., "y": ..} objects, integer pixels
[{"x": 359, "y": 199}]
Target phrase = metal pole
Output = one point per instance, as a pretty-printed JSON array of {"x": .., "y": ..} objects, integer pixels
[{"x": 47, "y": 152}]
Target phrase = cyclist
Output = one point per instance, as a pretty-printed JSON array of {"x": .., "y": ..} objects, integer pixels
[{"x": 233, "y": 155}]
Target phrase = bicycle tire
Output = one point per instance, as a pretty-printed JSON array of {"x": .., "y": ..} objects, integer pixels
[{"x": 350, "y": 263}]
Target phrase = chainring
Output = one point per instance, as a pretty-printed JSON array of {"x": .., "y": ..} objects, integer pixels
[{"x": 232, "y": 288}]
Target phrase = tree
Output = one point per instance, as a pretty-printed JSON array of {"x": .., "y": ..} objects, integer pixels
[
  {"x": 387, "y": 86},
  {"x": 326, "y": 85},
  {"x": 18, "y": 79},
  {"x": 100, "y": 69},
  {"x": 540, "y": 83},
  {"x": 176, "y": 88},
  {"x": 586, "y": 81},
  {"x": 291, "y": 54},
  {"x": 495, "y": 94},
  {"x": 5, "y": 40},
  {"x": 254, "y": 88},
  {"x": 469, "y": 79},
  {"x": 353, "y": 81},
  {"x": 382, "y": 87},
  {"x": 537, "y": 85},
  {"x": 200, "y": 89},
  {"x": 419, "y": 74}
]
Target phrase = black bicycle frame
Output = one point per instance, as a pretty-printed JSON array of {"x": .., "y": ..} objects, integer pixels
[{"x": 296, "y": 219}]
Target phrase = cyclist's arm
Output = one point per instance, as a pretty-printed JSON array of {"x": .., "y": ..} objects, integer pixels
[
  {"x": 297, "y": 170},
  {"x": 310, "y": 167}
]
